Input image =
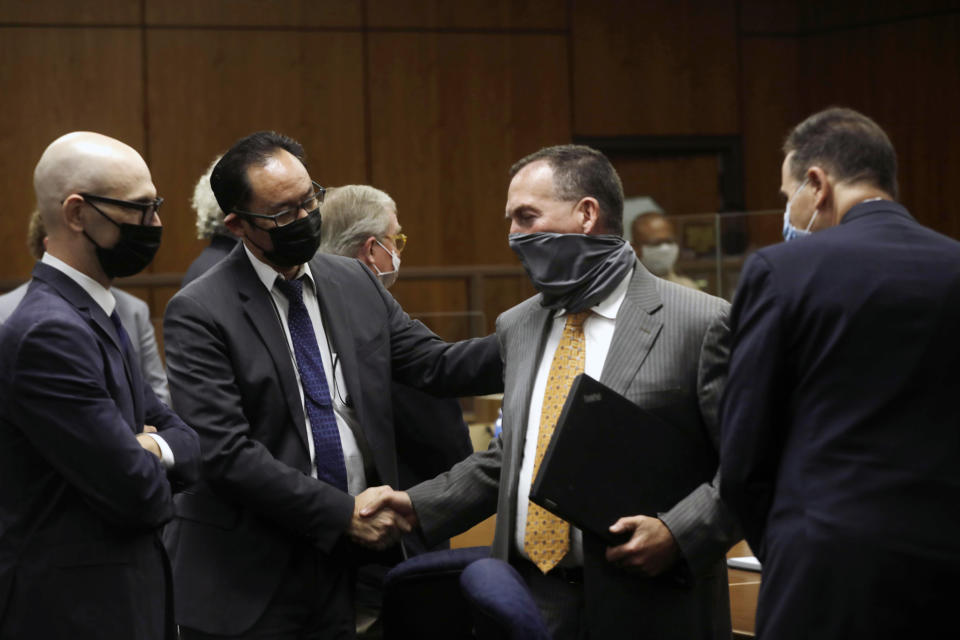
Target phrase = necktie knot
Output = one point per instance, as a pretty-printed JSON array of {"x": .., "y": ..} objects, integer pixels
[
  {"x": 576, "y": 320},
  {"x": 291, "y": 289}
]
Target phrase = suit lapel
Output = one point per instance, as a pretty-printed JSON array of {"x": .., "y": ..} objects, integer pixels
[
  {"x": 337, "y": 326},
  {"x": 95, "y": 316},
  {"x": 532, "y": 329},
  {"x": 260, "y": 311},
  {"x": 637, "y": 329}
]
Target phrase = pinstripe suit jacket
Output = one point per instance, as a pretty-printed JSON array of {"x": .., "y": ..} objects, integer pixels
[{"x": 668, "y": 354}]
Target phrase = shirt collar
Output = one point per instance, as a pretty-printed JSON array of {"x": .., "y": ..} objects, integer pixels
[
  {"x": 100, "y": 294},
  {"x": 609, "y": 306},
  {"x": 268, "y": 275}
]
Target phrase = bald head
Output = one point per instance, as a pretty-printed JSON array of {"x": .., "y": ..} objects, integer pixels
[{"x": 86, "y": 162}]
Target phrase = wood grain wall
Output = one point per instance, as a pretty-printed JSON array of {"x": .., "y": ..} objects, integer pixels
[{"x": 432, "y": 100}]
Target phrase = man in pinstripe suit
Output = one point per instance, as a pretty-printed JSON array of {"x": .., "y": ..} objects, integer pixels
[{"x": 661, "y": 345}]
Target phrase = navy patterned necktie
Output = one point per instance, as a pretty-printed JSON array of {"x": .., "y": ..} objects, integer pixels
[{"x": 328, "y": 451}]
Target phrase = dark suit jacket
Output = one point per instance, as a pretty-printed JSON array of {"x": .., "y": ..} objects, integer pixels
[
  {"x": 668, "y": 354},
  {"x": 233, "y": 380},
  {"x": 218, "y": 249},
  {"x": 841, "y": 420},
  {"x": 80, "y": 500}
]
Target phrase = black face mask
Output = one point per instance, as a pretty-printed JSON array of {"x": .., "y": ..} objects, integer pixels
[
  {"x": 573, "y": 271},
  {"x": 134, "y": 250},
  {"x": 294, "y": 243}
]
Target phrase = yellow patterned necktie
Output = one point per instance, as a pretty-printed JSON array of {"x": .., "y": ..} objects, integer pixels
[{"x": 547, "y": 537}]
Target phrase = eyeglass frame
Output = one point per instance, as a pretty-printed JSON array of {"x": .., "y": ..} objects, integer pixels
[
  {"x": 319, "y": 194},
  {"x": 143, "y": 207},
  {"x": 399, "y": 241}
]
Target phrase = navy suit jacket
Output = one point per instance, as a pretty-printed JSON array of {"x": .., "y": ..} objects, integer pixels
[
  {"x": 81, "y": 501},
  {"x": 841, "y": 417},
  {"x": 233, "y": 380}
]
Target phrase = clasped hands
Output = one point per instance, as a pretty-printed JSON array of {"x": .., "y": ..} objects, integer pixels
[{"x": 380, "y": 516}]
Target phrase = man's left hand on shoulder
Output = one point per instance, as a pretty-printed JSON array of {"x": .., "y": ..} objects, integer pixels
[{"x": 651, "y": 549}]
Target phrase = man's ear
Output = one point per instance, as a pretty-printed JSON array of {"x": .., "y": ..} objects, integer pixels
[
  {"x": 365, "y": 254},
  {"x": 72, "y": 212},
  {"x": 820, "y": 186},
  {"x": 233, "y": 222},
  {"x": 589, "y": 211}
]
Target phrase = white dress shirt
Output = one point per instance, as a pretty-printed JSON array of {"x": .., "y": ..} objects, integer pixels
[
  {"x": 346, "y": 416},
  {"x": 598, "y": 332},
  {"x": 105, "y": 300}
]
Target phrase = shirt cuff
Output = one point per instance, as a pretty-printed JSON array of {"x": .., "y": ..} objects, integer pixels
[{"x": 166, "y": 453}]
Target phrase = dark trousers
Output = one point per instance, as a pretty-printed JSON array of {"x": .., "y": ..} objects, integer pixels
[
  {"x": 313, "y": 602},
  {"x": 559, "y": 596}
]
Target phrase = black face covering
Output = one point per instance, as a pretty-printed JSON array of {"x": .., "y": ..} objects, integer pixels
[
  {"x": 295, "y": 243},
  {"x": 134, "y": 250},
  {"x": 573, "y": 271}
]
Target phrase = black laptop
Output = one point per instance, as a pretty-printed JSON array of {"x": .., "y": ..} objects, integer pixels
[{"x": 610, "y": 458}]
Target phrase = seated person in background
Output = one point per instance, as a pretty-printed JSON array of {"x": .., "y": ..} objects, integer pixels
[
  {"x": 134, "y": 315},
  {"x": 360, "y": 222},
  {"x": 655, "y": 243},
  {"x": 209, "y": 225}
]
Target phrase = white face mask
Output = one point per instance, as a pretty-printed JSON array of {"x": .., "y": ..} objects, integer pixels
[
  {"x": 790, "y": 232},
  {"x": 387, "y": 278},
  {"x": 659, "y": 258}
]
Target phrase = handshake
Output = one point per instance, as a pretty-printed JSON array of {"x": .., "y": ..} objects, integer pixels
[{"x": 380, "y": 516}]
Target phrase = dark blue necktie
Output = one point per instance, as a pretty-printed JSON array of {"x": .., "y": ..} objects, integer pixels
[
  {"x": 133, "y": 370},
  {"x": 323, "y": 424},
  {"x": 125, "y": 345}
]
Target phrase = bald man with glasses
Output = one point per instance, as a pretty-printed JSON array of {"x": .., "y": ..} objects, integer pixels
[{"x": 89, "y": 457}]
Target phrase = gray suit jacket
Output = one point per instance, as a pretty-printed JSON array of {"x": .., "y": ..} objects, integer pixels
[
  {"x": 135, "y": 317},
  {"x": 668, "y": 354}
]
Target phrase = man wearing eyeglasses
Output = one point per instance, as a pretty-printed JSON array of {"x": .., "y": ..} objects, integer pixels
[
  {"x": 282, "y": 361},
  {"x": 361, "y": 221},
  {"x": 89, "y": 457}
]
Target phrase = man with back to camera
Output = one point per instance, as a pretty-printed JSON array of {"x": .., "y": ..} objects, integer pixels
[
  {"x": 840, "y": 419},
  {"x": 661, "y": 345},
  {"x": 133, "y": 312},
  {"x": 88, "y": 454},
  {"x": 360, "y": 221},
  {"x": 278, "y": 358},
  {"x": 655, "y": 243}
]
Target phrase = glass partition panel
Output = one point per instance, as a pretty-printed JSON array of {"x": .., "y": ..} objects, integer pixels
[{"x": 713, "y": 247}]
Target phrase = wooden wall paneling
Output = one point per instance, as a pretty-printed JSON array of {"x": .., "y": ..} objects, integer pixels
[
  {"x": 770, "y": 106},
  {"x": 768, "y": 16},
  {"x": 468, "y": 14},
  {"x": 903, "y": 75},
  {"x": 819, "y": 15},
  {"x": 57, "y": 80},
  {"x": 419, "y": 299},
  {"x": 100, "y": 12},
  {"x": 449, "y": 114},
  {"x": 255, "y": 13},
  {"x": 680, "y": 184},
  {"x": 654, "y": 68},
  {"x": 208, "y": 88}
]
